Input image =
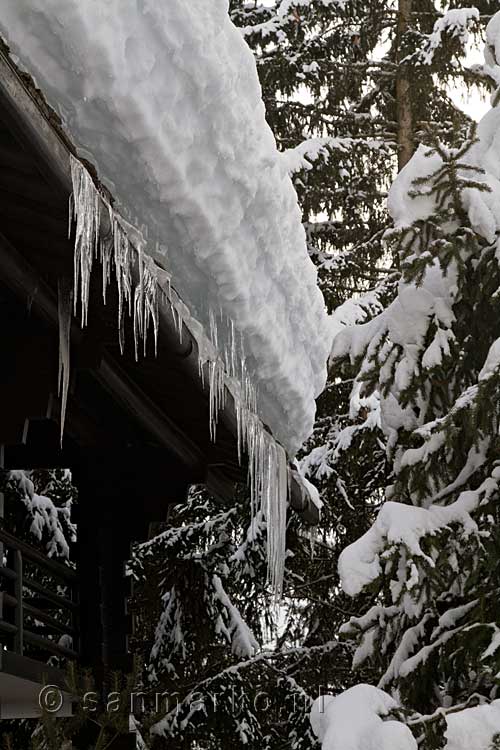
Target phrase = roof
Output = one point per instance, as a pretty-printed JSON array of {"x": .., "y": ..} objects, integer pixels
[
  {"x": 164, "y": 98},
  {"x": 155, "y": 390}
]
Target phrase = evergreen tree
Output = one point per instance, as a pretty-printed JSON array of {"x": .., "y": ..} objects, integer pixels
[
  {"x": 37, "y": 508},
  {"x": 232, "y": 665},
  {"x": 431, "y": 560}
]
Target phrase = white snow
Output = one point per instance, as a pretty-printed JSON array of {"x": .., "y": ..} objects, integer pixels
[
  {"x": 455, "y": 22},
  {"x": 473, "y": 728},
  {"x": 358, "y": 720},
  {"x": 140, "y": 285},
  {"x": 405, "y": 324},
  {"x": 312, "y": 149},
  {"x": 483, "y": 207},
  {"x": 46, "y": 518},
  {"x": 284, "y": 13},
  {"x": 309, "y": 488},
  {"x": 164, "y": 98},
  {"x": 420, "y": 323},
  {"x": 492, "y": 50},
  {"x": 398, "y": 523},
  {"x": 354, "y": 720},
  {"x": 233, "y": 626}
]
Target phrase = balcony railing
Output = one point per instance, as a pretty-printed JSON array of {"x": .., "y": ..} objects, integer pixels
[{"x": 38, "y": 602}]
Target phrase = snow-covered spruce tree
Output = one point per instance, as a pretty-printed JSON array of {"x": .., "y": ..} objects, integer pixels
[
  {"x": 331, "y": 73},
  {"x": 431, "y": 560},
  {"x": 212, "y": 640}
]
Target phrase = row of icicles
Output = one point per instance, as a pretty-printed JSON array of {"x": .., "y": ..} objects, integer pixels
[{"x": 140, "y": 294}]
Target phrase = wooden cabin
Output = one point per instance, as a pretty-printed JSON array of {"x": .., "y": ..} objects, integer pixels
[{"x": 136, "y": 433}]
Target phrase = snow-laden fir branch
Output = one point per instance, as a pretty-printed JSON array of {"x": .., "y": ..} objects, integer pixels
[{"x": 47, "y": 521}]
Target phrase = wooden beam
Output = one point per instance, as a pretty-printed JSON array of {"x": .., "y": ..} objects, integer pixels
[{"x": 146, "y": 413}]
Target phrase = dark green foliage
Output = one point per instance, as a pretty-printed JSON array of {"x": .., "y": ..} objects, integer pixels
[{"x": 430, "y": 635}]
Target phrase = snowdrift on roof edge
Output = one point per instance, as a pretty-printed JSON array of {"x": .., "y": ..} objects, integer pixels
[{"x": 165, "y": 99}]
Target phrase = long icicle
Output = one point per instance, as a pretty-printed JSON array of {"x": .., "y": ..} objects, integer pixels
[
  {"x": 64, "y": 312},
  {"x": 85, "y": 205}
]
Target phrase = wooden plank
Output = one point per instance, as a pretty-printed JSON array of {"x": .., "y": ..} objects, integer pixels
[
  {"x": 23, "y": 279},
  {"x": 59, "y": 601},
  {"x": 46, "y": 645},
  {"x": 14, "y": 210},
  {"x": 15, "y": 159},
  {"x": 48, "y": 620},
  {"x": 146, "y": 412},
  {"x": 30, "y": 188},
  {"x": 8, "y": 627},
  {"x": 18, "y": 611},
  {"x": 7, "y": 573},
  {"x": 29, "y": 669}
]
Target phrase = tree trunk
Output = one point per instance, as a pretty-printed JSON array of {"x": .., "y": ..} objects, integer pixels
[{"x": 406, "y": 144}]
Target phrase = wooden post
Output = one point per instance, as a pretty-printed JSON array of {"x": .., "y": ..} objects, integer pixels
[
  {"x": 2, "y": 515},
  {"x": 404, "y": 114},
  {"x": 18, "y": 592}
]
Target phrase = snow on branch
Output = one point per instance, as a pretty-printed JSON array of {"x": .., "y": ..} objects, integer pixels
[
  {"x": 359, "y": 719},
  {"x": 364, "y": 718},
  {"x": 457, "y": 23},
  {"x": 311, "y": 150},
  {"x": 47, "y": 520},
  {"x": 400, "y": 524},
  {"x": 284, "y": 13},
  {"x": 202, "y": 177},
  {"x": 233, "y": 626}
]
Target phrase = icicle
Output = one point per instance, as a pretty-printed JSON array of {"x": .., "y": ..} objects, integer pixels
[
  {"x": 180, "y": 322},
  {"x": 85, "y": 206},
  {"x": 64, "y": 312},
  {"x": 268, "y": 480},
  {"x": 123, "y": 276},
  {"x": 214, "y": 335},
  {"x": 267, "y": 464},
  {"x": 217, "y": 394},
  {"x": 201, "y": 368},
  {"x": 151, "y": 305},
  {"x": 232, "y": 349},
  {"x": 276, "y": 518},
  {"x": 106, "y": 255}
]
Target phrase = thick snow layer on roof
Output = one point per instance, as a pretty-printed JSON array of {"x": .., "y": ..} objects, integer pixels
[{"x": 164, "y": 98}]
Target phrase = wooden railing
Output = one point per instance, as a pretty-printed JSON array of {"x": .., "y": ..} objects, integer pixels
[{"x": 38, "y": 601}]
